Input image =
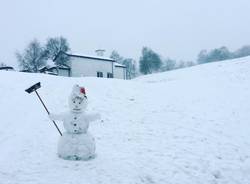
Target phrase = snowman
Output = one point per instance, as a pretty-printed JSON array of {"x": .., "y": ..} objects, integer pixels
[{"x": 76, "y": 143}]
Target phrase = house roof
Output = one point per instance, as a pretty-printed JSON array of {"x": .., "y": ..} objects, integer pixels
[
  {"x": 61, "y": 66},
  {"x": 6, "y": 68},
  {"x": 88, "y": 57},
  {"x": 53, "y": 66},
  {"x": 28, "y": 71},
  {"x": 91, "y": 57},
  {"x": 119, "y": 65}
]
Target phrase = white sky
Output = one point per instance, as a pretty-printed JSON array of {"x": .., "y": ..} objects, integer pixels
[{"x": 178, "y": 29}]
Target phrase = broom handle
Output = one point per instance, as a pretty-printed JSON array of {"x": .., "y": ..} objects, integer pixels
[{"x": 48, "y": 112}]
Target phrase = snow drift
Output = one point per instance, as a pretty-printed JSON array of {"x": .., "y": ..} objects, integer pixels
[{"x": 185, "y": 126}]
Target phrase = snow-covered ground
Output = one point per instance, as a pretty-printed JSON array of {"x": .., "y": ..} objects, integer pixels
[{"x": 189, "y": 126}]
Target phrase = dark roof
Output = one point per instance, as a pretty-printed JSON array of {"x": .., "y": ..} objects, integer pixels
[
  {"x": 91, "y": 57},
  {"x": 48, "y": 68},
  {"x": 61, "y": 66},
  {"x": 25, "y": 71},
  {"x": 86, "y": 57},
  {"x": 6, "y": 68},
  {"x": 120, "y": 66}
]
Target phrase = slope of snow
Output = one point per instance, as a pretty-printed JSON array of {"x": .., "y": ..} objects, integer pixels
[{"x": 185, "y": 126}]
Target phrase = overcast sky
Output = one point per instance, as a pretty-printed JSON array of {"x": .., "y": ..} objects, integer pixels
[{"x": 178, "y": 29}]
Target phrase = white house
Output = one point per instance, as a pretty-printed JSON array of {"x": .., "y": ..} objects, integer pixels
[
  {"x": 120, "y": 71},
  {"x": 95, "y": 66},
  {"x": 61, "y": 70}
]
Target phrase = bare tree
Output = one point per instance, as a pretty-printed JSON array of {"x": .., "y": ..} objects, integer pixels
[
  {"x": 116, "y": 56},
  {"x": 128, "y": 62},
  {"x": 32, "y": 58},
  {"x": 130, "y": 67}
]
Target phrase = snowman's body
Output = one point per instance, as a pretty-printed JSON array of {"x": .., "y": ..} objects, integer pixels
[
  {"x": 76, "y": 146},
  {"x": 76, "y": 143}
]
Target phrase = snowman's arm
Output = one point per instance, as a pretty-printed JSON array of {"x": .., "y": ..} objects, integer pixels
[
  {"x": 92, "y": 117},
  {"x": 54, "y": 117}
]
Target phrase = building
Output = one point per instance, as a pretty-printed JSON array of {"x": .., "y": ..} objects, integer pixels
[
  {"x": 60, "y": 70},
  {"x": 120, "y": 71},
  {"x": 90, "y": 66},
  {"x": 7, "y": 68}
]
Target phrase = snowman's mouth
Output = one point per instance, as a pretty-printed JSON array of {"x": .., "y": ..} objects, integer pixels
[{"x": 76, "y": 109}]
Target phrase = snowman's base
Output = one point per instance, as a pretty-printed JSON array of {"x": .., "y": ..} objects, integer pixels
[{"x": 76, "y": 146}]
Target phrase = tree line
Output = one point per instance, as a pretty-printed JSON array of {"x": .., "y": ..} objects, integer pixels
[
  {"x": 222, "y": 53},
  {"x": 36, "y": 55},
  {"x": 131, "y": 69},
  {"x": 151, "y": 62}
]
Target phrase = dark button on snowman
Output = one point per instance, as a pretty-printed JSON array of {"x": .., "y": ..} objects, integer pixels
[{"x": 76, "y": 143}]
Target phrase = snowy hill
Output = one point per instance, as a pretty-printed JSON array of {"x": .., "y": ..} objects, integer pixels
[{"x": 185, "y": 126}]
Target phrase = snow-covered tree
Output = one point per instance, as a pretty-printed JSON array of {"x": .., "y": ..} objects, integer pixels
[
  {"x": 242, "y": 52},
  {"x": 54, "y": 47},
  {"x": 168, "y": 64},
  {"x": 218, "y": 54},
  {"x": 32, "y": 58}
]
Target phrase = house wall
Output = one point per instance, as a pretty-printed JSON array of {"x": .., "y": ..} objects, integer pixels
[
  {"x": 81, "y": 67},
  {"x": 119, "y": 73},
  {"x": 62, "y": 72}
]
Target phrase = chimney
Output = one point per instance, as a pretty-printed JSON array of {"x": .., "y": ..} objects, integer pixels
[{"x": 100, "y": 52}]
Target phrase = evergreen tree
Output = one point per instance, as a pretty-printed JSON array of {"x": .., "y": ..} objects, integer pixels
[
  {"x": 217, "y": 54},
  {"x": 150, "y": 61},
  {"x": 242, "y": 52}
]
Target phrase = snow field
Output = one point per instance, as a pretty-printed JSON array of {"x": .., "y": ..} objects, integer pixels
[{"x": 185, "y": 126}]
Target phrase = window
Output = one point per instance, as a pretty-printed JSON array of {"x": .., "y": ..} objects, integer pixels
[
  {"x": 109, "y": 75},
  {"x": 99, "y": 74}
]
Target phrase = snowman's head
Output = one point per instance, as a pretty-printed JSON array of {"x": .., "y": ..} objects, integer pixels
[{"x": 78, "y": 99}]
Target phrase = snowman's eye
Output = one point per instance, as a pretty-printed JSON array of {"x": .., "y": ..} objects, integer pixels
[
  {"x": 79, "y": 102},
  {"x": 74, "y": 101}
]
